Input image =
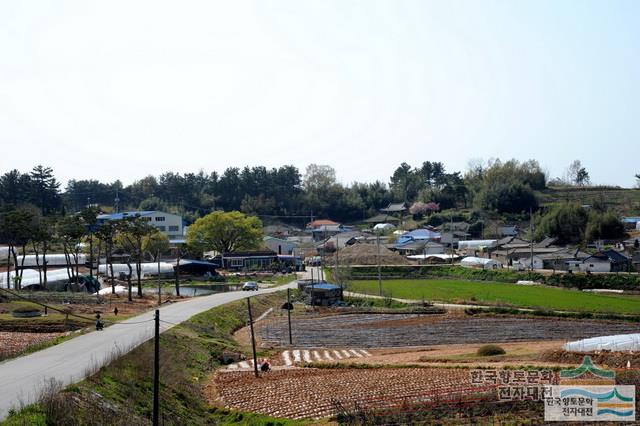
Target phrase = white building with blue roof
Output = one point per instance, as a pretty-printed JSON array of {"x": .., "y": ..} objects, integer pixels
[{"x": 169, "y": 224}]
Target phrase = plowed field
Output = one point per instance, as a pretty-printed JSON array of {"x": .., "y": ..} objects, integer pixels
[
  {"x": 383, "y": 331},
  {"x": 316, "y": 393}
]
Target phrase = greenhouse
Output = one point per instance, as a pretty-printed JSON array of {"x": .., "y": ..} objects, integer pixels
[
  {"x": 150, "y": 268},
  {"x": 32, "y": 277},
  {"x": 618, "y": 342},
  {"x": 480, "y": 262}
]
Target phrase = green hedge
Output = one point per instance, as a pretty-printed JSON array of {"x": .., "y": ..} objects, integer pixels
[{"x": 619, "y": 281}]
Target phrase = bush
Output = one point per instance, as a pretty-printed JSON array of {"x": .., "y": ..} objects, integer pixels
[{"x": 490, "y": 350}]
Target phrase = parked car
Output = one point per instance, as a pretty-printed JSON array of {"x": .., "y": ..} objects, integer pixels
[{"x": 250, "y": 286}]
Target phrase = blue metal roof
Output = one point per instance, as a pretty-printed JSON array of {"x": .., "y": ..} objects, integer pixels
[
  {"x": 122, "y": 215},
  {"x": 326, "y": 286},
  {"x": 631, "y": 219}
]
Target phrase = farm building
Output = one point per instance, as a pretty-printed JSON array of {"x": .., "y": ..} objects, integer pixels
[
  {"x": 320, "y": 230},
  {"x": 476, "y": 245},
  {"x": 324, "y": 294},
  {"x": 605, "y": 261},
  {"x": 197, "y": 267},
  {"x": 508, "y": 230},
  {"x": 480, "y": 262},
  {"x": 631, "y": 222},
  {"x": 169, "y": 224},
  {"x": 394, "y": 208},
  {"x": 561, "y": 259},
  {"x": 418, "y": 235},
  {"x": 246, "y": 260},
  {"x": 419, "y": 247},
  {"x": 280, "y": 246},
  {"x": 525, "y": 263},
  {"x": 381, "y": 218},
  {"x": 338, "y": 242}
]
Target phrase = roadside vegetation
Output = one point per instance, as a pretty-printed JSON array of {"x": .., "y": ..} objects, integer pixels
[
  {"x": 500, "y": 294},
  {"x": 121, "y": 393}
]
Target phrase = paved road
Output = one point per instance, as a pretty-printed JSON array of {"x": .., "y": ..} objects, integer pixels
[{"x": 72, "y": 361}]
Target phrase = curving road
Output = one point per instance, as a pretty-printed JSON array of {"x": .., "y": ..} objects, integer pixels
[{"x": 22, "y": 379}]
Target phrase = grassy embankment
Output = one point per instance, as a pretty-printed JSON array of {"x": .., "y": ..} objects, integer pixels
[
  {"x": 501, "y": 294},
  {"x": 121, "y": 393}
]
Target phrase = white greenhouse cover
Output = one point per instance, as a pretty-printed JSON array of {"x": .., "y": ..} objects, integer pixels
[
  {"x": 476, "y": 244},
  {"x": 433, "y": 256},
  {"x": 618, "y": 342},
  {"x": 52, "y": 259},
  {"x": 31, "y": 277},
  {"x": 478, "y": 261},
  {"x": 119, "y": 290},
  {"x": 383, "y": 226},
  {"x": 150, "y": 268}
]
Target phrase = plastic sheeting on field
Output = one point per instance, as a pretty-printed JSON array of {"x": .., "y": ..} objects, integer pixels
[
  {"x": 383, "y": 226},
  {"x": 31, "y": 277},
  {"x": 120, "y": 289},
  {"x": 52, "y": 259},
  {"x": 476, "y": 244},
  {"x": 480, "y": 262},
  {"x": 150, "y": 268},
  {"x": 618, "y": 342},
  {"x": 443, "y": 257}
]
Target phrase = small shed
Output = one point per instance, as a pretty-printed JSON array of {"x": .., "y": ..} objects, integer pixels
[
  {"x": 197, "y": 267},
  {"x": 324, "y": 294},
  {"x": 605, "y": 261}
]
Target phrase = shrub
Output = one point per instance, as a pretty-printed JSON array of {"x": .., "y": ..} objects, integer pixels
[{"x": 490, "y": 350}]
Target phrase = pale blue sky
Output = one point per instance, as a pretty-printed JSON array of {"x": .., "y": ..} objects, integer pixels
[{"x": 143, "y": 87}]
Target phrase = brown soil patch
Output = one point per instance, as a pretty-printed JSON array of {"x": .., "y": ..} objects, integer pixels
[
  {"x": 13, "y": 343},
  {"x": 405, "y": 330},
  {"x": 317, "y": 393},
  {"x": 367, "y": 254}
]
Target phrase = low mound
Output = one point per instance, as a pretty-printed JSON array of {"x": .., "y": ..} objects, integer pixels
[
  {"x": 610, "y": 359},
  {"x": 367, "y": 254}
]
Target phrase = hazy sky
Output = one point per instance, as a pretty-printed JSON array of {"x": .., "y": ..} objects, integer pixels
[{"x": 122, "y": 89}]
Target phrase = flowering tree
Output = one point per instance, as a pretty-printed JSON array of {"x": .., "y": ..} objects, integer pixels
[{"x": 419, "y": 208}]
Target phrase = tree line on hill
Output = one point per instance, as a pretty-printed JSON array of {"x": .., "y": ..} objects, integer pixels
[{"x": 495, "y": 187}]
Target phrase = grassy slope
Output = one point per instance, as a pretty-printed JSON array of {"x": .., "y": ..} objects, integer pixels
[
  {"x": 627, "y": 200},
  {"x": 503, "y": 294},
  {"x": 189, "y": 354}
]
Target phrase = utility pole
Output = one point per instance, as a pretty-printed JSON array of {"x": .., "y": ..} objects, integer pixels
[
  {"x": 378, "y": 262},
  {"x": 335, "y": 274},
  {"x": 159, "y": 285},
  {"x": 253, "y": 338},
  {"x": 289, "y": 306},
  {"x": 156, "y": 373},
  {"x": 531, "y": 235}
]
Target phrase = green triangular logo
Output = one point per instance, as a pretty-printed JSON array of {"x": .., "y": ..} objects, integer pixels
[{"x": 587, "y": 366}]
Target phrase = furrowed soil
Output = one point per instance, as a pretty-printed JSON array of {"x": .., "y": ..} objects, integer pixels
[
  {"x": 13, "y": 343},
  {"x": 385, "y": 330},
  {"x": 317, "y": 393}
]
